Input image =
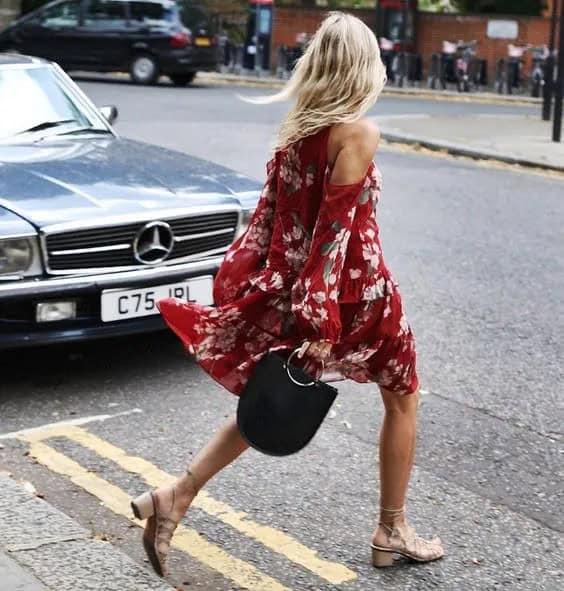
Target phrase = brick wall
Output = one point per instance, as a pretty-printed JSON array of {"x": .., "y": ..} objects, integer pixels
[
  {"x": 9, "y": 10},
  {"x": 288, "y": 22},
  {"x": 431, "y": 30}
]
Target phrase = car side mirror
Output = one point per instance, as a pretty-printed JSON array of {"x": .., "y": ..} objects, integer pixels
[{"x": 109, "y": 113}]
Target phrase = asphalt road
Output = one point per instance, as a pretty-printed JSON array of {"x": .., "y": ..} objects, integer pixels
[
  {"x": 478, "y": 254},
  {"x": 214, "y": 123}
]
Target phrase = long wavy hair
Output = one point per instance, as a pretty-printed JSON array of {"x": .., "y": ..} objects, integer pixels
[{"x": 337, "y": 79}]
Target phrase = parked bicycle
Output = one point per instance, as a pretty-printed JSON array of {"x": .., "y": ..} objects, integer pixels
[
  {"x": 509, "y": 71},
  {"x": 538, "y": 76},
  {"x": 387, "y": 53},
  {"x": 399, "y": 68},
  {"x": 442, "y": 70},
  {"x": 467, "y": 75}
]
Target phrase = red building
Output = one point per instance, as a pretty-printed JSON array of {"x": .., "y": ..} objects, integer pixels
[{"x": 493, "y": 32}]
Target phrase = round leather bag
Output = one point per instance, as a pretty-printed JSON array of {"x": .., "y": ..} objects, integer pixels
[{"x": 282, "y": 407}]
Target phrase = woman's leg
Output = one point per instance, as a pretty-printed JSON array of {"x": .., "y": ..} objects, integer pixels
[
  {"x": 397, "y": 449},
  {"x": 165, "y": 507},
  {"x": 224, "y": 447}
]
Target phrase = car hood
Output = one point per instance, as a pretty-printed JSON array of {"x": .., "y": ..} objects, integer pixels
[
  {"x": 13, "y": 225},
  {"x": 62, "y": 181}
]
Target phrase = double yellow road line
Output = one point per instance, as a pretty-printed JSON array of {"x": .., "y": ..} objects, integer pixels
[{"x": 185, "y": 539}]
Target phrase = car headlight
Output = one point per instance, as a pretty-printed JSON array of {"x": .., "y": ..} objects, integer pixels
[
  {"x": 246, "y": 216},
  {"x": 19, "y": 257},
  {"x": 248, "y": 201}
]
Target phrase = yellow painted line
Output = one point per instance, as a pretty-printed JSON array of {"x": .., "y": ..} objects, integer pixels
[
  {"x": 275, "y": 540},
  {"x": 187, "y": 540}
]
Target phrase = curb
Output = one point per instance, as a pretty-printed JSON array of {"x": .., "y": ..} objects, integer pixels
[
  {"x": 43, "y": 547},
  {"x": 443, "y": 95},
  {"x": 462, "y": 150}
]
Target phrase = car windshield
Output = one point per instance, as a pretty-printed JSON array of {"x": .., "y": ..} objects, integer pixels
[
  {"x": 195, "y": 18},
  {"x": 36, "y": 104},
  {"x": 152, "y": 13}
]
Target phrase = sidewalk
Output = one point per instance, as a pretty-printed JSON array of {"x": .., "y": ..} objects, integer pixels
[
  {"x": 514, "y": 139},
  {"x": 411, "y": 92},
  {"x": 42, "y": 549}
]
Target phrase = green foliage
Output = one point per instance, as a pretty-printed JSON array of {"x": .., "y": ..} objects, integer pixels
[
  {"x": 437, "y": 5},
  {"x": 334, "y": 4},
  {"x": 528, "y": 7},
  {"x": 224, "y": 5}
]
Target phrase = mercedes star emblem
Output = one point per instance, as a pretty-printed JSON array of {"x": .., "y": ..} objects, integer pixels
[{"x": 153, "y": 243}]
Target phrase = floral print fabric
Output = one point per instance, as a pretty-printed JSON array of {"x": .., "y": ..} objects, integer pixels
[{"x": 308, "y": 267}]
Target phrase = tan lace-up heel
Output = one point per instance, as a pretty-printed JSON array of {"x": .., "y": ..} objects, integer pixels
[
  {"x": 160, "y": 526},
  {"x": 144, "y": 505},
  {"x": 402, "y": 539}
]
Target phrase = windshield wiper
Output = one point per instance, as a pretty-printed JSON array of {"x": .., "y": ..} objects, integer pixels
[{"x": 47, "y": 125}]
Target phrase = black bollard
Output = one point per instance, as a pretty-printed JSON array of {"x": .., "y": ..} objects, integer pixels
[
  {"x": 559, "y": 91},
  {"x": 549, "y": 66}
]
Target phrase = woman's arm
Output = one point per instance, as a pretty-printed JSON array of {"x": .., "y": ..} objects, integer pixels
[
  {"x": 351, "y": 149},
  {"x": 315, "y": 293},
  {"x": 251, "y": 249}
]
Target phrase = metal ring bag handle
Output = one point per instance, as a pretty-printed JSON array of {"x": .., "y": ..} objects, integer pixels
[{"x": 292, "y": 377}]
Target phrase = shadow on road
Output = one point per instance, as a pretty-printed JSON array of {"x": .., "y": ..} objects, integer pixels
[
  {"x": 142, "y": 355},
  {"x": 124, "y": 80}
]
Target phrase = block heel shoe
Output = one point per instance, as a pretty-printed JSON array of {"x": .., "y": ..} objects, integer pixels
[
  {"x": 160, "y": 526},
  {"x": 402, "y": 539},
  {"x": 382, "y": 558},
  {"x": 143, "y": 506}
]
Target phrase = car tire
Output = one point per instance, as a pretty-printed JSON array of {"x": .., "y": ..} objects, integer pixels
[
  {"x": 182, "y": 79},
  {"x": 144, "y": 69}
]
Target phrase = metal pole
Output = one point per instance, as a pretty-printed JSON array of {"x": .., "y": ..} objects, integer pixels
[
  {"x": 258, "y": 60},
  {"x": 402, "y": 58},
  {"x": 559, "y": 94},
  {"x": 549, "y": 66},
  {"x": 405, "y": 15}
]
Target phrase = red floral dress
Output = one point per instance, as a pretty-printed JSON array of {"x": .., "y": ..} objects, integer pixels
[{"x": 308, "y": 267}]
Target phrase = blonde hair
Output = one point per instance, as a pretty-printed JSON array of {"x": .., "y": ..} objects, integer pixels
[{"x": 337, "y": 79}]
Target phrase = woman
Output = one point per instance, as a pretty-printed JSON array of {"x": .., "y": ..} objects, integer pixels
[{"x": 309, "y": 272}]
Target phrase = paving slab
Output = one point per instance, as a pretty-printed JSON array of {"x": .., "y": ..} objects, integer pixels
[
  {"x": 15, "y": 578},
  {"x": 49, "y": 551},
  {"x": 88, "y": 565},
  {"x": 29, "y": 522}
]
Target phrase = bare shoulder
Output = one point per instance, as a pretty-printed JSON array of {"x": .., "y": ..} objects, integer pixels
[
  {"x": 363, "y": 132},
  {"x": 352, "y": 149}
]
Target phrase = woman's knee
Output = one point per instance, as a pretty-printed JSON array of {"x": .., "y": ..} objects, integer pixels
[{"x": 404, "y": 404}]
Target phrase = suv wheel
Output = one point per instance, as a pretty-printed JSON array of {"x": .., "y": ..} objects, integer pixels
[
  {"x": 144, "y": 69},
  {"x": 182, "y": 79}
]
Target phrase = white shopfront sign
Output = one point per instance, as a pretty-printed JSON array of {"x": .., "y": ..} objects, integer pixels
[{"x": 502, "y": 29}]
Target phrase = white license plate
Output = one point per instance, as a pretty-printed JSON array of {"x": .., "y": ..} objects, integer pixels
[{"x": 120, "y": 304}]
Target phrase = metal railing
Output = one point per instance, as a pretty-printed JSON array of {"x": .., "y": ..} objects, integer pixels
[
  {"x": 403, "y": 69},
  {"x": 232, "y": 59}
]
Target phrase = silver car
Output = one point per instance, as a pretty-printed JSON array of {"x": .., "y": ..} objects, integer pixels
[{"x": 94, "y": 228}]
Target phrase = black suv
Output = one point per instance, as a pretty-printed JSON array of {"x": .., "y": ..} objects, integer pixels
[{"x": 145, "y": 37}]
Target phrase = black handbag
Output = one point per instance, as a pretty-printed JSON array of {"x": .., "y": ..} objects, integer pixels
[{"x": 282, "y": 407}]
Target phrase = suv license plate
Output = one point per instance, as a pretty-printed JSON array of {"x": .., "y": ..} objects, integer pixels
[
  {"x": 121, "y": 304},
  {"x": 202, "y": 41}
]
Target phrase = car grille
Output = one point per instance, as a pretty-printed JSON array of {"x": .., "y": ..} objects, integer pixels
[{"x": 112, "y": 247}]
